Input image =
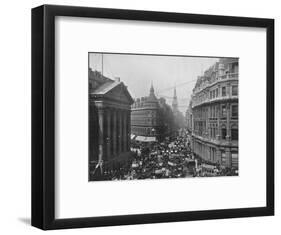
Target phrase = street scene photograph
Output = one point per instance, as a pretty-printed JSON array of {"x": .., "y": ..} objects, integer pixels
[{"x": 162, "y": 116}]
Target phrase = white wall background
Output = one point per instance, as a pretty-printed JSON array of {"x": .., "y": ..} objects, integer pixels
[{"x": 15, "y": 120}]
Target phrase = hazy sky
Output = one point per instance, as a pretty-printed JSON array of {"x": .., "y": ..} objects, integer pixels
[{"x": 166, "y": 72}]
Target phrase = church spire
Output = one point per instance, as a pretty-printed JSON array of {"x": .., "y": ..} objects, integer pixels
[
  {"x": 151, "y": 89},
  {"x": 175, "y": 93},
  {"x": 175, "y": 101},
  {"x": 152, "y": 96}
]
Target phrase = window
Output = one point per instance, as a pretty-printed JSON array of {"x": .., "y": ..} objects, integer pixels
[
  {"x": 223, "y": 158},
  {"x": 223, "y": 132},
  {"x": 234, "y": 111},
  {"x": 213, "y": 132},
  {"x": 223, "y": 111},
  {"x": 234, "y": 133},
  {"x": 223, "y": 91},
  {"x": 217, "y": 92},
  {"x": 217, "y": 111},
  {"x": 234, "y": 159},
  {"x": 235, "y": 90}
]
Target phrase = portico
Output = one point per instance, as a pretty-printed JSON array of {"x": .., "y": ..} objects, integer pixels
[{"x": 109, "y": 125}]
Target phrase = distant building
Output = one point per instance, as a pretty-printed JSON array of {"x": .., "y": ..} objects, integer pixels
[
  {"x": 178, "y": 116},
  {"x": 215, "y": 114},
  {"x": 188, "y": 118},
  {"x": 145, "y": 119},
  {"x": 109, "y": 121}
]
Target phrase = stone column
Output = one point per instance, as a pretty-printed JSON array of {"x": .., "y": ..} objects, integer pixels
[
  {"x": 228, "y": 157},
  {"x": 101, "y": 134},
  {"x": 128, "y": 130},
  {"x": 218, "y": 155},
  {"x": 92, "y": 139},
  {"x": 228, "y": 134},
  {"x": 114, "y": 134},
  {"x": 109, "y": 140},
  {"x": 200, "y": 150},
  {"x": 218, "y": 123},
  {"x": 125, "y": 134},
  {"x": 120, "y": 128},
  {"x": 209, "y": 125},
  {"x": 228, "y": 89},
  {"x": 219, "y": 91}
]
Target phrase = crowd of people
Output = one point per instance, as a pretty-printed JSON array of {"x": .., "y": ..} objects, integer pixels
[{"x": 171, "y": 158}]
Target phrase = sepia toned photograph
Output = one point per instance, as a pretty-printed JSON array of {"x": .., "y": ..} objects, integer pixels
[{"x": 162, "y": 116}]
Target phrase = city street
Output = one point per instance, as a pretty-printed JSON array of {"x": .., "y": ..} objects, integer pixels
[
  {"x": 152, "y": 130},
  {"x": 169, "y": 159}
]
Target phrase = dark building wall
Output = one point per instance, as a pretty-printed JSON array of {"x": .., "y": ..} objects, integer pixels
[
  {"x": 93, "y": 132},
  {"x": 109, "y": 121}
]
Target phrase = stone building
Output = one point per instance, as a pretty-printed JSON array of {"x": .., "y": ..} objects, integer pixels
[
  {"x": 145, "y": 119},
  {"x": 214, "y": 105},
  {"x": 109, "y": 122}
]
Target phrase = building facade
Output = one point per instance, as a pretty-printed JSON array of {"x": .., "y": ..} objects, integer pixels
[
  {"x": 214, "y": 107},
  {"x": 109, "y": 122},
  {"x": 145, "y": 118}
]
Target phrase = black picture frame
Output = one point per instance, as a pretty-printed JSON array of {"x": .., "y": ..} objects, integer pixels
[{"x": 43, "y": 116}]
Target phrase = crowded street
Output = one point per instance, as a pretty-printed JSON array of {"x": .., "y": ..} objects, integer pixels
[{"x": 172, "y": 158}]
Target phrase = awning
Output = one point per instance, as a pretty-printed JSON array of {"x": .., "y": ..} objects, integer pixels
[
  {"x": 140, "y": 138},
  {"x": 208, "y": 166},
  {"x": 146, "y": 139},
  {"x": 150, "y": 139}
]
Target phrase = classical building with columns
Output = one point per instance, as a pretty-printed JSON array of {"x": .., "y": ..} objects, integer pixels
[
  {"x": 109, "y": 123},
  {"x": 214, "y": 114}
]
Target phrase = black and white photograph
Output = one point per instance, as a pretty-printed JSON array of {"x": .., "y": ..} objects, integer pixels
[
  {"x": 150, "y": 116},
  {"x": 162, "y": 116}
]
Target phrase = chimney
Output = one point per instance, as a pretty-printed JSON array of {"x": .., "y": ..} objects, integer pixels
[{"x": 117, "y": 79}]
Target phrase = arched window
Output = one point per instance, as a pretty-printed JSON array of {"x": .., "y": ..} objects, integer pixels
[{"x": 223, "y": 132}]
